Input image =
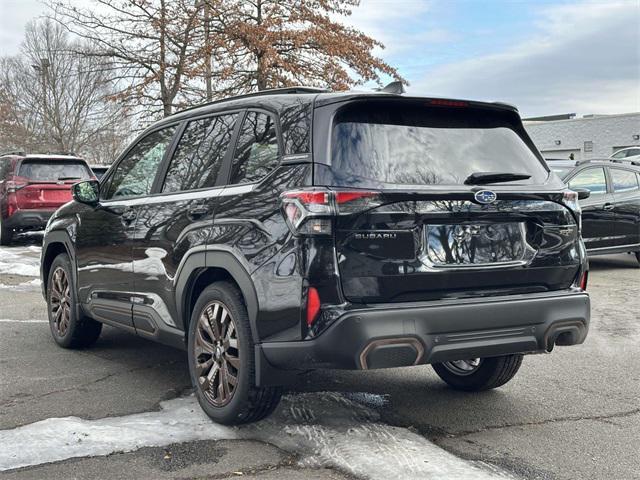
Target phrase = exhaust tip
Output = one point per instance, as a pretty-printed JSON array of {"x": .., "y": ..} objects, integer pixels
[{"x": 391, "y": 352}]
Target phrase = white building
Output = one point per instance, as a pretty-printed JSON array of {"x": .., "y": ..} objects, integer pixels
[{"x": 591, "y": 136}]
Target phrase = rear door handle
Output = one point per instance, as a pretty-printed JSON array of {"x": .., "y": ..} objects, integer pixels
[
  {"x": 197, "y": 211},
  {"x": 608, "y": 206},
  {"x": 128, "y": 216}
]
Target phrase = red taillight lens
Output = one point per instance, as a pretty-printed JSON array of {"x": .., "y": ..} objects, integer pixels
[
  {"x": 345, "y": 197},
  {"x": 583, "y": 280},
  {"x": 308, "y": 198},
  {"x": 313, "y": 305}
]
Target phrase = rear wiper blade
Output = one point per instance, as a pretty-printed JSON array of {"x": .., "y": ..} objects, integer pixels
[
  {"x": 482, "y": 178},
  {"x": 62, "y": 179}
]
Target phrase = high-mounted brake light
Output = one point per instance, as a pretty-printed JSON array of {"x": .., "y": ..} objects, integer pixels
[
  {"x": 447, "y": 103},
  {"x": 310, "y": 212}
]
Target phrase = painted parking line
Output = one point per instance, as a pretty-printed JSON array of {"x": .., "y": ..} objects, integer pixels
[
  {"x": 325, "y": 429},
  {"x": 12, "y": 320}
]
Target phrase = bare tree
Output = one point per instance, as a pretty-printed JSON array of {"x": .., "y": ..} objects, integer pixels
[
  {"x": 171, "y": 53},
  {"x": 274, "y": 43},
  {"x": 153, "y": 46},
  {"x": 56, "y": 99}
]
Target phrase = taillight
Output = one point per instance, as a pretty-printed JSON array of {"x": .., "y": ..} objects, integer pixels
[
  {"x": 570, "y": 200},
  {"x": 310, "y": 212},
  {"x": 313, "y": 305},
  {"x": 16, "y": 184}
]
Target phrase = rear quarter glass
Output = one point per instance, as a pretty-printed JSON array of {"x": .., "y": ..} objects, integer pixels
[{"x": 382, "y": 144}]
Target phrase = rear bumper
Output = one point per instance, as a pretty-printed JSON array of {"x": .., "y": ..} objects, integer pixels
[
  {"x": 393, "y": 336},
  {"x": 29, "y": 219}
]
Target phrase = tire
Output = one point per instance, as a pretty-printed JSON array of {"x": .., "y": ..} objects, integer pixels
[
  {"x": 69, "y": 328},
  {"x": 489, "y": 372},
  {"x": 220, "y": 347},
  {"x": 638, "y": 257},
  {"x": 6, "y": 234}
]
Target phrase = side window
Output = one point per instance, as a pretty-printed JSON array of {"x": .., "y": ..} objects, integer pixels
[
  {"x": 257, "y": 149},
  {"x": 623, "y": 180},
  {"x": 592, "y": 178},
  {"x": 619, "y": 154},
  {"x": 134, "y": 175},
  {"x": 632, "y": 152},
  {"x": 200, "y": 153}
]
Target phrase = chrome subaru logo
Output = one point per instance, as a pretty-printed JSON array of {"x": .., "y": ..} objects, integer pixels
[{"x": 485, "y": 196}]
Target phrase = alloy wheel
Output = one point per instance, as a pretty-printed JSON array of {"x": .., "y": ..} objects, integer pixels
[
  {"x": 60, "y": 301},
  {"x": 463, "y": 367},
  {"x": 217, "y": 354}
]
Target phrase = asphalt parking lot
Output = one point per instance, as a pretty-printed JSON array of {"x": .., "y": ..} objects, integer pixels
[{"x": 573, "y": 414}]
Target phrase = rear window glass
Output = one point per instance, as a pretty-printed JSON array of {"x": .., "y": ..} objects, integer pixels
[
  {"x": 623, "y": 180},
  {"x": 384, "y": 144},
  {"x": 592, "y": 179},
  {"x": 52, "y": 171}
]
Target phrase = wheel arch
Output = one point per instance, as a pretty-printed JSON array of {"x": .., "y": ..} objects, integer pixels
[
  {"x": 201, "y": 269},
  {"x": 55, "y": 243}
]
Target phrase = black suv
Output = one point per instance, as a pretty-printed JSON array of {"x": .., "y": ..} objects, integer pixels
[
  {"x": 611, "y": 214},
  {"x": 296, "y": 229}
]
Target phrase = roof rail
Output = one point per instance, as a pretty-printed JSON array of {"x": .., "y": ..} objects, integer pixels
[
  {"x": 69, "y": 154},
  {"x": 15, "y": 152},
  {"x": 589, "y": 160},
  {"x": 259, "y": 93}
]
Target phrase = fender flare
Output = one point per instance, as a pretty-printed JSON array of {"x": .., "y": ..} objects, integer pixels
[
  {"x": 224, "y": 259},
  {"x": 58, "y": 236}
]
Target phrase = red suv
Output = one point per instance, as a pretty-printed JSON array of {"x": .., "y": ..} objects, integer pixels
[{"x": 32, "y": 187}]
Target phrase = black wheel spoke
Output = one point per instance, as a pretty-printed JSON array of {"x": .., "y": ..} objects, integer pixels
[
  {"x": 216, "y": 352},
  {"x": 60, "y": 301}
]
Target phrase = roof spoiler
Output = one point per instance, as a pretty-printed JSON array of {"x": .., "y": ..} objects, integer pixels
[{"x": 394, "y": 87}]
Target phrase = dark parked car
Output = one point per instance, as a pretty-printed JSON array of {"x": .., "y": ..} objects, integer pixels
[
  {"x": 32, "y": 187},
  {"x": 611, "y": 214},
  {"x": 296, "y": 229},
  {"x": 99, "y": 170}
]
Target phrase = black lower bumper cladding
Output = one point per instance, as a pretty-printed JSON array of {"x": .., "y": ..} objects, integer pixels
[{"x": 411, "y": 334}]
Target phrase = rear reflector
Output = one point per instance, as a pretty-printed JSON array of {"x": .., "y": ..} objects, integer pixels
[
  {"x": 313, "y": 305},
  {"x": 583, "y": 280}
]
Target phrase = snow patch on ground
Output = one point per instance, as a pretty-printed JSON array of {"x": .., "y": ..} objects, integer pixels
[
  {"x": 32, "y": 286},
  {"x": 325, "y": 429},
  {"x": 20, "y": 261}
]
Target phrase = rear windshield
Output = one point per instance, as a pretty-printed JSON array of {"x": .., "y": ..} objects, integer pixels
[
  {"x": 382, "y": 144},
  {"x": 53, "y": 170}
]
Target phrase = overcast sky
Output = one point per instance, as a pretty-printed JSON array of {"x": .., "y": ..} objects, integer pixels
[{"x": 546, "y": 57}]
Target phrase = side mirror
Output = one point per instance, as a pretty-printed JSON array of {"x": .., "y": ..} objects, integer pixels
[
  {"x": 583, "y": 193},
  {"x": 86, "y": 192}
]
